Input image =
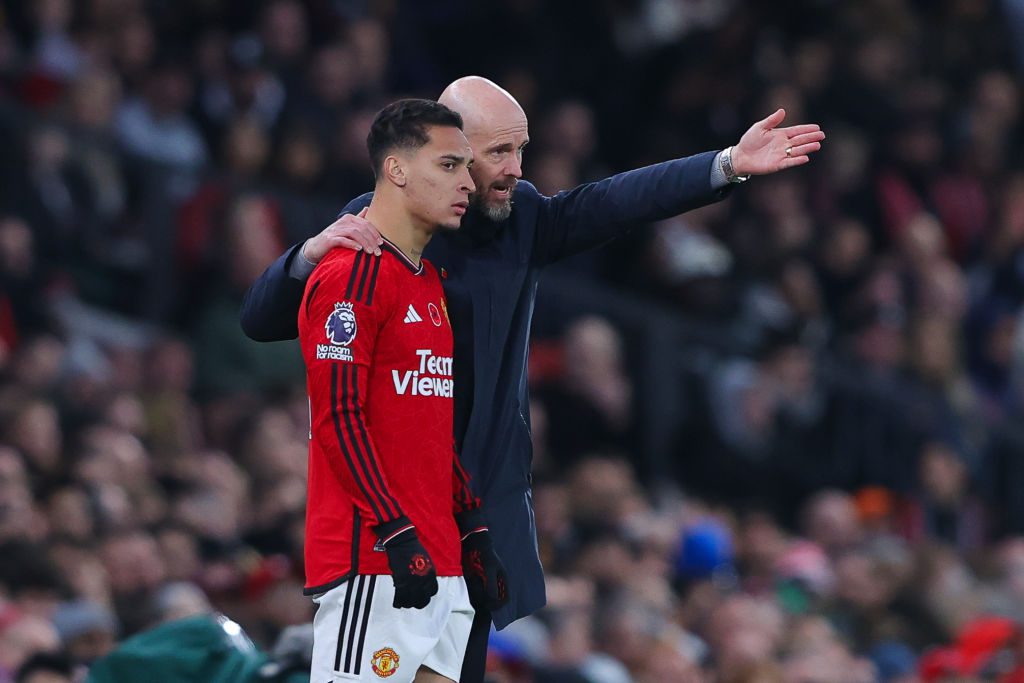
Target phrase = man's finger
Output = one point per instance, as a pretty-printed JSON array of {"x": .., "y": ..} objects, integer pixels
[
  {"x": 368, "y": 238},
  {"x": 372, "y": 242},
  {"x": 804, "y": 150},
  {"x": 790, "y": 162},
  {"x": 773, "y": 120},
  {"x": 803, "y": 129},
  {"x": 375, "y": 238},
  {"x": 365, "y": 234},
  {"x": 336, "y": 241},
  {"x": 795, "y": 141},
  {"x": 361, "y": 234},
  {"x": 372, "y": 235}
]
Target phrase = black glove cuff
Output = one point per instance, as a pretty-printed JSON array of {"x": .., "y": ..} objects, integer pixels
[
  {"x": 471, "y": 521},
  {"x": 388, "y": 531}
]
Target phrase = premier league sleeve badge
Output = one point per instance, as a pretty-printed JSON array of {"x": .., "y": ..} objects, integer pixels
[{"x": 341, "y": 331}]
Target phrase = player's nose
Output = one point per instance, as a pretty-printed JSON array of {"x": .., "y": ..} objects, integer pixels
[{"x": 468, "y": 186}]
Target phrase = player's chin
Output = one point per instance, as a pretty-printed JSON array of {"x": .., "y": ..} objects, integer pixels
[{"x": 452, "y": 223}]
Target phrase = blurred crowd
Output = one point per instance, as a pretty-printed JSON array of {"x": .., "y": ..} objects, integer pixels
[{"x": 842, "y": 502}]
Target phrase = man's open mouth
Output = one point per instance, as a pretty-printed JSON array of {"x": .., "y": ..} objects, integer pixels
[{"x": 503, "y": 190}]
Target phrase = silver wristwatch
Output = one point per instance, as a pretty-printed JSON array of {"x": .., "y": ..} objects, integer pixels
[{"x": 725, "y": 159}]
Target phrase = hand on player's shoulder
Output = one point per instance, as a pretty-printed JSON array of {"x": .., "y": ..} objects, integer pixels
[{"x": 349, "y": 231}]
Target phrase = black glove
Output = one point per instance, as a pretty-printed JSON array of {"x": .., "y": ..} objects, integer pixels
[
  {"x": 411, "y": 567},
  {"x": 485, "y": 576}
]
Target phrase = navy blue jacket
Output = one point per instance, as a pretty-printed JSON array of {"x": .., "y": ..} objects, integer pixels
[{"x": 492, "y": 272}]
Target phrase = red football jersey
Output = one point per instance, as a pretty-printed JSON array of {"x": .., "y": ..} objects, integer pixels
[{"x": 378, "y": 345}]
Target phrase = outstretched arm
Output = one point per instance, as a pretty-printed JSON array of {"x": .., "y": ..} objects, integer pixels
[
  {"x": 591, "y": 214},
  {"x": 271, "y": 304}
]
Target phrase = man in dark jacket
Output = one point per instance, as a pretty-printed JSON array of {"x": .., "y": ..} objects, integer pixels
[{"x": 491, "y": 268}]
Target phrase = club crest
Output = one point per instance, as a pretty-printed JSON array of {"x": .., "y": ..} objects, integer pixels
[{"x": 385, "y": 662}]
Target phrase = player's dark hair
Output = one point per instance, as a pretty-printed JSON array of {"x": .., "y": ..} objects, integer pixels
[{"x": 403, "y": 125}]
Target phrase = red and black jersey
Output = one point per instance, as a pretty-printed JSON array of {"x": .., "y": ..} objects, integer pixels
[{"x": 378, "y": 346}]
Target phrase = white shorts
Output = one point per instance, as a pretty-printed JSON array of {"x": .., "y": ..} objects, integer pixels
[{"x": 359, "y": 636}]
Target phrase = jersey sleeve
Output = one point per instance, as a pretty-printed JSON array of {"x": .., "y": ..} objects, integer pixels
[
  {"x": 463, "y": 499},
  {"x": 341, "y": 313}
]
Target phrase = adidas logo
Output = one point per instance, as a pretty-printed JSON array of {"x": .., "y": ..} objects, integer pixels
[{"x": 411, "y": 316}]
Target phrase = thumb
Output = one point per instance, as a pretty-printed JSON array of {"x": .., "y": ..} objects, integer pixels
[
  {"x": 362, "y": 214},
  {"x": 773, "y": 120}
]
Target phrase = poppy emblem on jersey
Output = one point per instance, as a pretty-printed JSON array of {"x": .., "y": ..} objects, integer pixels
[
  {"x": 385, "y": 662},
  {"x": 435, "y": 315},
  {"x": 341, "y": 325},
  {"x": 419, "y": 565}
]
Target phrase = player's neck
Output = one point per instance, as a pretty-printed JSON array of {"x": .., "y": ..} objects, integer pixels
[{"x": 400, "y": 228}]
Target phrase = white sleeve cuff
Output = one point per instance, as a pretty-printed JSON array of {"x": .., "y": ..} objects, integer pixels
[
  {"x": 300, "y": 267},
  {"x": 718, "y": 179}
]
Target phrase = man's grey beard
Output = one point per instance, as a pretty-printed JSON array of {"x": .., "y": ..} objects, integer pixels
[{"x": 493, "y": 212}]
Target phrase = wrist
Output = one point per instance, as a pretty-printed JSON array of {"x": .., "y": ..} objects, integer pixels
[
  {"x": 470, "y": 522},
  {"x": 304, "y": 255},
  {"x": 389, "y": 531},
  {"x": 299, "y": 267},
  {"x": 732, "y": 162}
]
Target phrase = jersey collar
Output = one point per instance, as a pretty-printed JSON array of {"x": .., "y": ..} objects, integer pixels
[{"x": 406, "y": 261}]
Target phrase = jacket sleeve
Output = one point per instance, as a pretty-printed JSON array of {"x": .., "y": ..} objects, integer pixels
[
  {"x": 271, "y": 304},
  {"x": 588, "y": 215},
  {"x": 342, "y": 312}
]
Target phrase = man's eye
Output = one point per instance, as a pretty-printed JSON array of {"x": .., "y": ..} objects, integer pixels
[{"x": 449, "y": 165}]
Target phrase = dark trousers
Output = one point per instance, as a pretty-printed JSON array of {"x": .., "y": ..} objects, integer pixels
[{"x": 475, "y": 662}]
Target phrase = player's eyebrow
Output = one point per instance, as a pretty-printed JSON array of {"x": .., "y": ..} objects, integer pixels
[{"x": 454, "y": 157}]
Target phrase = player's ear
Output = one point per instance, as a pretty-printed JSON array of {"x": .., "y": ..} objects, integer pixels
[{"x": 394, "y": 170}]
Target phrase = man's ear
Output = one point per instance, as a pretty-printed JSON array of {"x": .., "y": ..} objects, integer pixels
[{"x": 394, "y": 170}]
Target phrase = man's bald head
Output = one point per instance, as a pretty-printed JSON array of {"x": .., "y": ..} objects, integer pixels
[
  {"x": 497, "y": 130},
  {"x": 482, "y": 103}
]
